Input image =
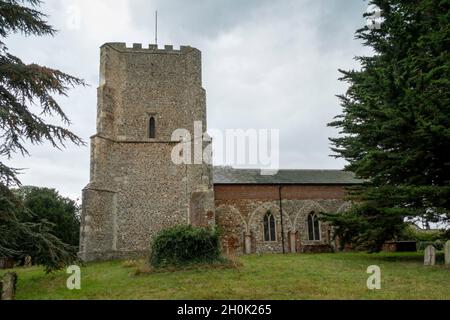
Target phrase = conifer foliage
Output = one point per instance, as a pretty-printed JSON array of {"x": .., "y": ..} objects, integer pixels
[
  {"x": 23, "y": 86},
  {"x": 395, "y": 125},
  {"x": 27, "y": 101}
]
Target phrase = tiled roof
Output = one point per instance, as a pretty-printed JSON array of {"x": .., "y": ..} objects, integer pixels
[{"x": 228, "y": 175}]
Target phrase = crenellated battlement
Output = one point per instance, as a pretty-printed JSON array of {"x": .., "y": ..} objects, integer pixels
[{"x": 151, "y": 48}]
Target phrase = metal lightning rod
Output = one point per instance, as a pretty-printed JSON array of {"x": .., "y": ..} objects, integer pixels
[{"x": 156, "y": 27}]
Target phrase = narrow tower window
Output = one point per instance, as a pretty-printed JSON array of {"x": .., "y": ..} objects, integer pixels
[
  {"x": 313, "y": 227},
  {"x": 151, "y": 128},
  {"x": 269, "y": 227}
]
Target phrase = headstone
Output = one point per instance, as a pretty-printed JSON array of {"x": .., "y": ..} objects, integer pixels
[
  {"x": 447, "y": 253},
  {"x": 9, "y": 286},
  {"x": 430, "y": 256},
  {"x": 28, "y": 262},
  {"x": 248, "y": 243}
]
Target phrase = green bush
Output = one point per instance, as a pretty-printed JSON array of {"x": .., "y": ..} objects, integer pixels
[
  {"x": 183, "y": 245},
  {"x": 421, "y": 245},
  {"x": 438, "y": 245},
  {"x": 413, "y": 233}
]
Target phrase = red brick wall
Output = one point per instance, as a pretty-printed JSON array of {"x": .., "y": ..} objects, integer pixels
[{"x": 271, "y": 192}]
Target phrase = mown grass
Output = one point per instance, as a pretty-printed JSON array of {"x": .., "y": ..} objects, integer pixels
[{"x": 301, "y": 276}]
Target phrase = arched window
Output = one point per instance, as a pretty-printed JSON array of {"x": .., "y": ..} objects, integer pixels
[
  {"x": 269, "y": 227},
  {"x": 151, "y": 128},
  {"x": 313, "y": 227}
]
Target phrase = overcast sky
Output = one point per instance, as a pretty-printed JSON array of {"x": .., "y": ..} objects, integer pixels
[{"x": 266, "y": 64}]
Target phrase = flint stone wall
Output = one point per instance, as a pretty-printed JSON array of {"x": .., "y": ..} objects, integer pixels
[{"x": 135, "y": 188}]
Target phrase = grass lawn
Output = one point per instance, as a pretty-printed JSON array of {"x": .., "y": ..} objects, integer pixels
[{"x": 301, "y": 276}]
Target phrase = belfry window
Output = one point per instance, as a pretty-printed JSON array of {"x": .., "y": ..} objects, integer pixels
[
  {"x": 313, "y": 227},
  {"x": 269, "y": 227},
  {"x": 152, "y": 128}
]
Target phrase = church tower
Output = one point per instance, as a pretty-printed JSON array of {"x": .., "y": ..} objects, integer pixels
[{"x": 135, "y": 188}]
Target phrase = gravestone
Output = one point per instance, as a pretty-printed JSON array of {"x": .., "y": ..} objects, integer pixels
[
  {"x": 9, "y": 286},
  {"x": 430, "y": 256},
  {"x": 28, "y": 262},
  {"x": 447, "y": 253}
]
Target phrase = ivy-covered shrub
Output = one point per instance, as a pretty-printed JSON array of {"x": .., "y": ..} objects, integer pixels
[{"x": 185, "y": 244}]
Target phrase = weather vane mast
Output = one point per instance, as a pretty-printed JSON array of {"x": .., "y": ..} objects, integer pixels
[{"x": 156, "y": 27}]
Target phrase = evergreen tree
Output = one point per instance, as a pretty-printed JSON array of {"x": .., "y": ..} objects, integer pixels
[
  {"x": 395, "y": 125},
  {"x": 47, "y": 204},
  {"x": 20, "y": 236},
  {"x": 26, "y": 102},
  {"x": 25, "y": 85}
]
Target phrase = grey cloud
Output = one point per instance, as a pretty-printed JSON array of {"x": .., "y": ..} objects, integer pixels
[
  {"x": 266, "y": 64},
  {"x": 191, "y": 20}
]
